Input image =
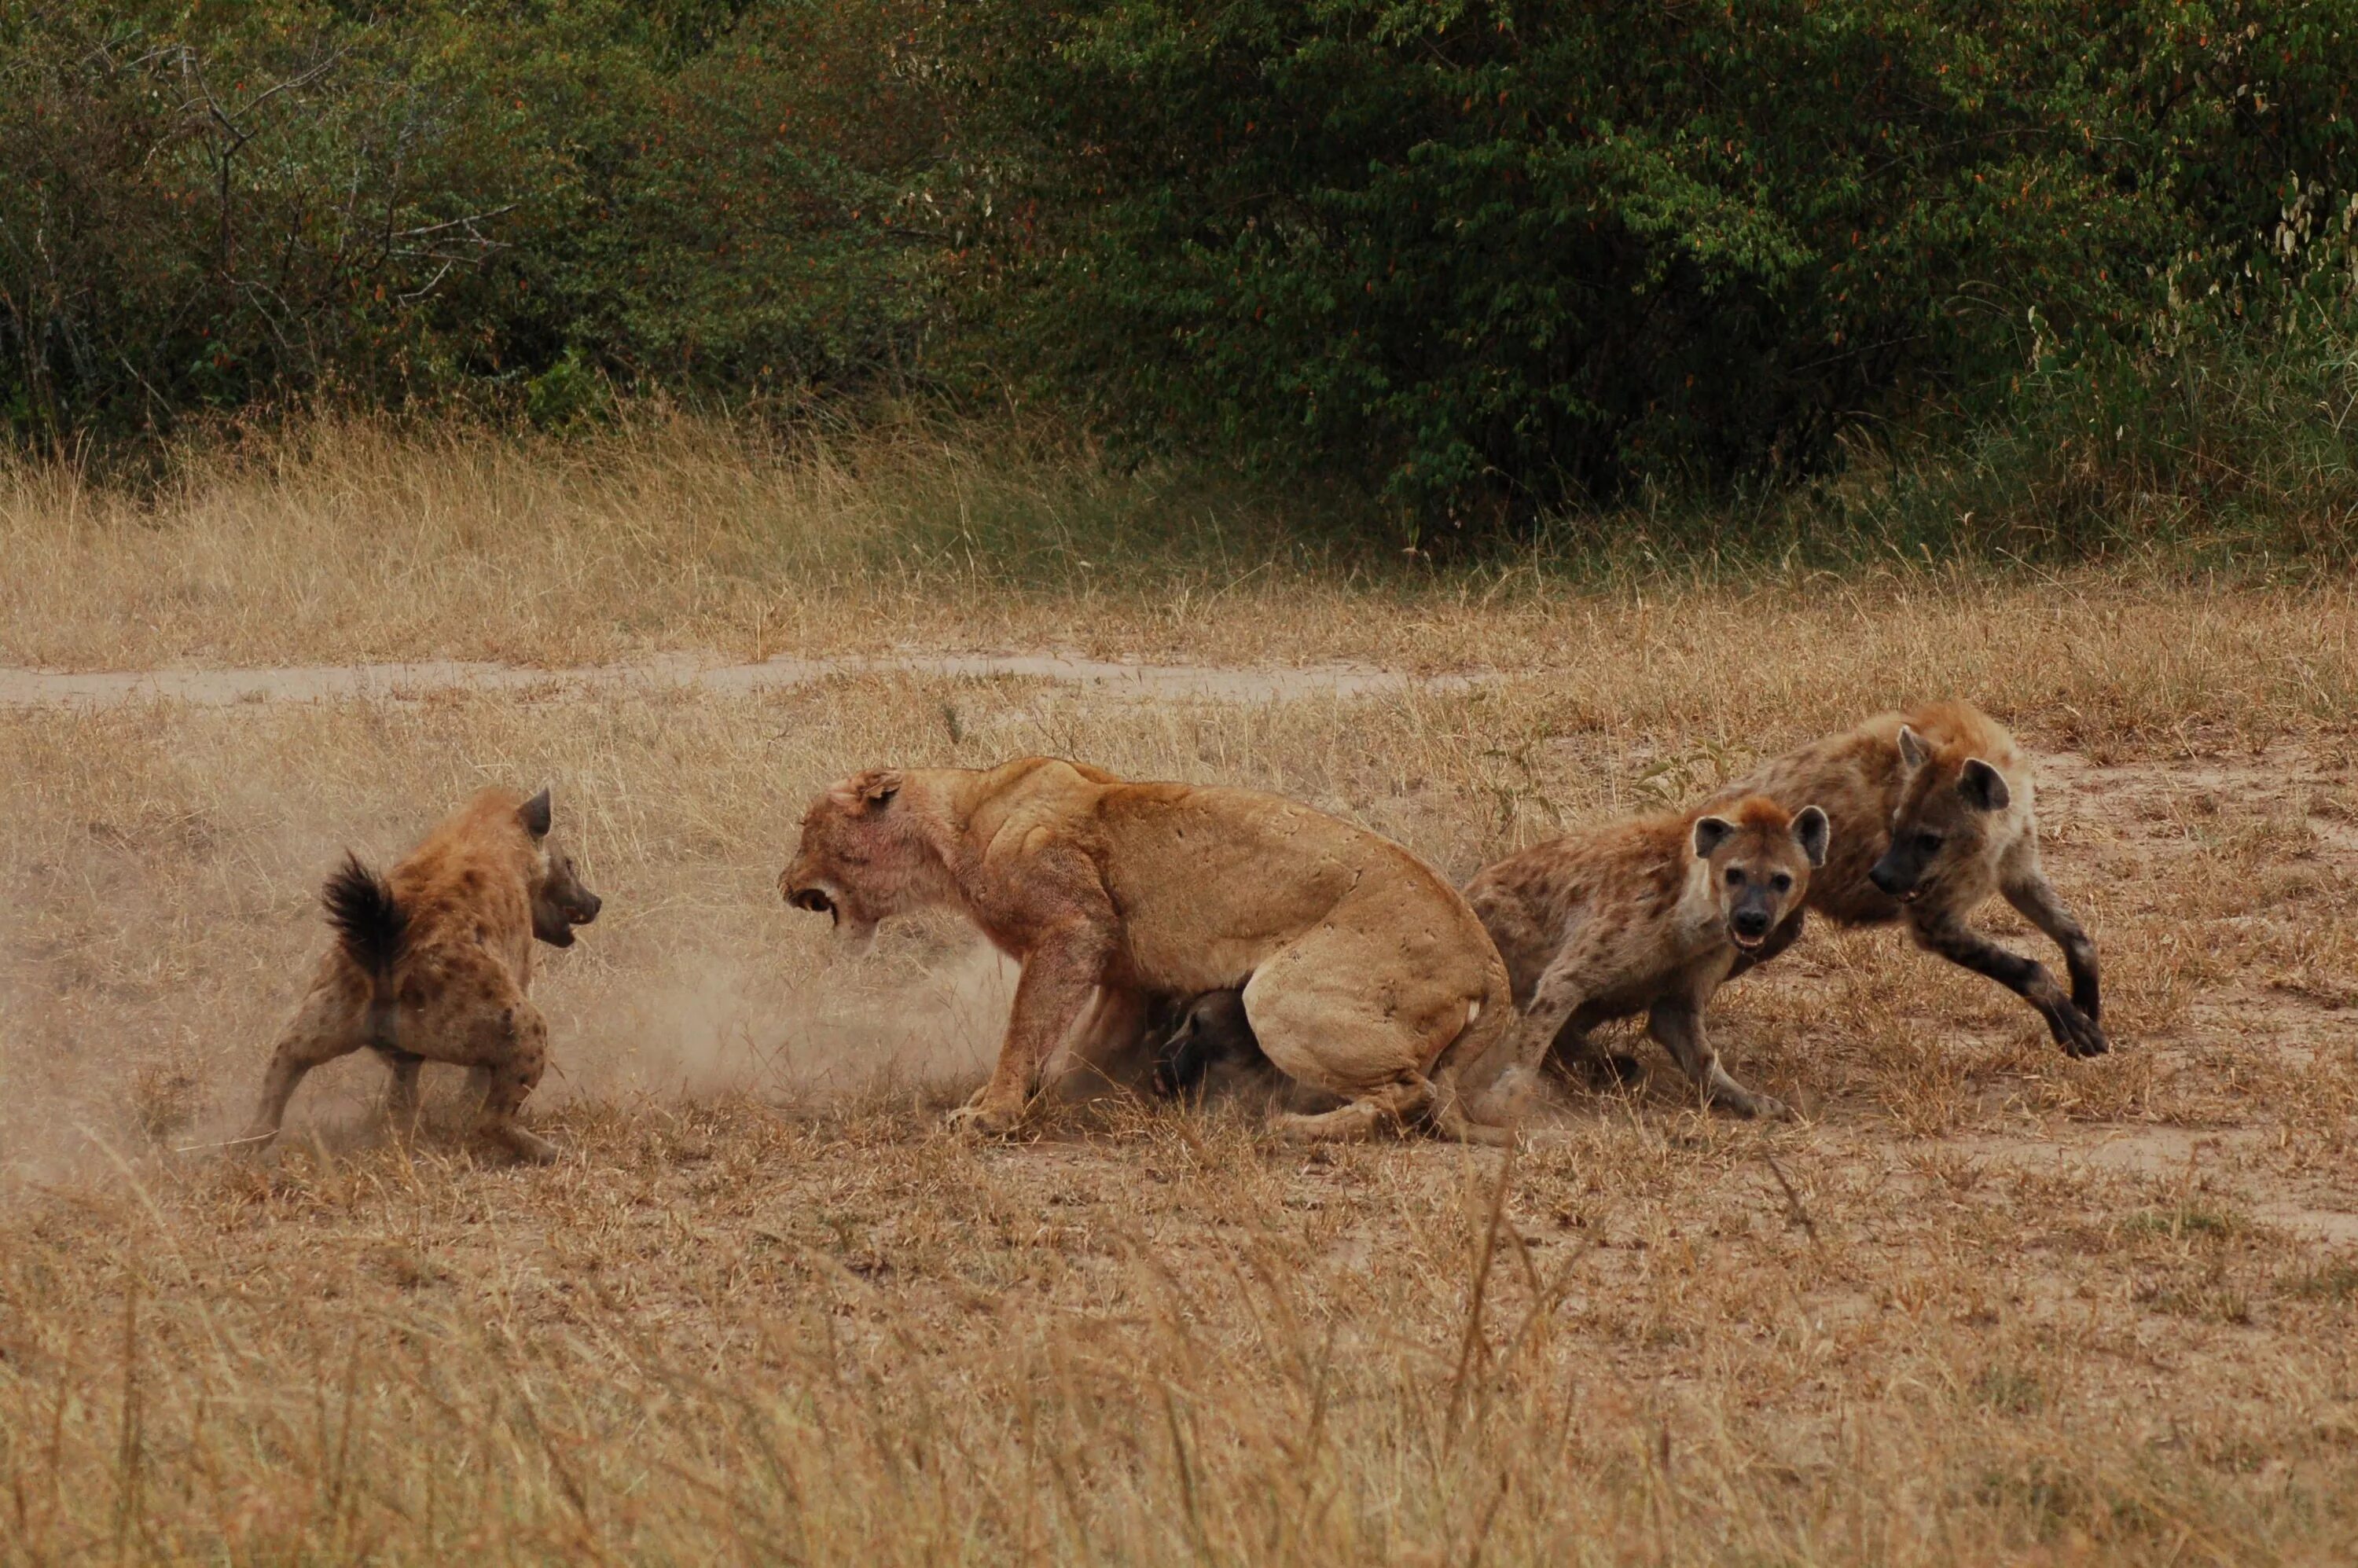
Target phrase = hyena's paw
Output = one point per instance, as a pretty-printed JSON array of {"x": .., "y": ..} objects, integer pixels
[
  {"x": 1737, "y": 1100},
  {"x": 2079, "y": 1034},
  {"x": 1511, "y": 1097}
]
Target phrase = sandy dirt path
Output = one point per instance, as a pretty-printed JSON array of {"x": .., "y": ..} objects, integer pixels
[{"x": 313, "y": 682}]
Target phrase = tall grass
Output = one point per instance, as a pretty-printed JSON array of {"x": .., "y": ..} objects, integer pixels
[{"x": 2218, "y": 446}]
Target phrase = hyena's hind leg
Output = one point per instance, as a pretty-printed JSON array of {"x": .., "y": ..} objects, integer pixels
[
  {"x": 332, "y": 1023},
  {"x": 2027, "y": 888},
  {"x": 401, "y": 1091},
  {"x": 483, "y": 1022},
  {"x": 526, "y": 1035}
]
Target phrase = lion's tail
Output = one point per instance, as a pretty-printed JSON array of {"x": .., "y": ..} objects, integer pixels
[{"x": 370, "y": 923}]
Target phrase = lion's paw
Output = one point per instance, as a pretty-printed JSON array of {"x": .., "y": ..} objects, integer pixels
[{"x": 978, "y": 1119}]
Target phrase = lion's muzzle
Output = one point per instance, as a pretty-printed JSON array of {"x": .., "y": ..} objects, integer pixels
[{"x": 818, "y": 901}]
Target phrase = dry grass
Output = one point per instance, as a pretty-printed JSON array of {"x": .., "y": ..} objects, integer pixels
[
  {"x": 1982, "y": 1302},
  {"x": 344, "y": 542}
]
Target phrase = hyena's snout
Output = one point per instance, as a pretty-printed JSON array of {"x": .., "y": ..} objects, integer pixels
[
  {"x": 1750, "y": 923},
  {"x": 1895, "y": 878}
]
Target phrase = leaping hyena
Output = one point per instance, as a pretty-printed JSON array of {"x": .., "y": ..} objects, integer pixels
[
  {"x": 1932, "y": 814},
  {"x": 432, "y": 964},
  {"x": 1646, "y": 915}
]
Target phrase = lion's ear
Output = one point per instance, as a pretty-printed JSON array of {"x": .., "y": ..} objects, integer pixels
[
  {"x": 871, "y": 791},
  {"x": 536, "y": 815}
]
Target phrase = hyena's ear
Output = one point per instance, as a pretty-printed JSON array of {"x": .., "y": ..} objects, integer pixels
[
  {"x": 1710, "y": 833},
  {"x": 871, "y": 791},
  {"x": 1982, "y": 787},
  {"x": 1912, "y": 750},
  {"x": 534, "y": 815},
  {"x": 1811, "y": 831}
]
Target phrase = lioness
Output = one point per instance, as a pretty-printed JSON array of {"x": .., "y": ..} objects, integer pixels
[
  {"x": 1647, "y": 916},
  {"x": 432, "y": 964},
  {"x": 1363, "y": 972}
]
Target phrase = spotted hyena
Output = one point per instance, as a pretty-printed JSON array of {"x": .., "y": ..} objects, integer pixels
[
  {"x": 432, "y": 964},
  {"x": 1646, "y": 915},
  {"x": 1932, "y": 812}
]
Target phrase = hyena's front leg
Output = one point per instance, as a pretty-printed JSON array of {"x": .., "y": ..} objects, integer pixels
[
  {"x": 2029, "y": 892},
  {"x": 1939, "y": 931},
  {"x": 1677, "y": 1024},
  {"x": 482, "y": 1021},
  {"x": 328, "y": 1025},
  {"x": 1545, "y": 1024},
  {"x": 1574, "y": 1054}
]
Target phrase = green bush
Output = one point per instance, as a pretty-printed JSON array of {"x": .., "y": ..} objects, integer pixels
[
  {"x": 1504, "y": 255},
  {"x": 212, "y": 205},
  {"x": 1492, "y": 261},
  {"x": 2225, "y": 431}
]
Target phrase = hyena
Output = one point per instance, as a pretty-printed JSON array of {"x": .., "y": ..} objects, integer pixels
[
  {"x": 1645, "y": 916},
  {"x": 1192, "y": 1035},
  {"x": 433, "y": 962},
  {"x": 1931, "y": 813}
]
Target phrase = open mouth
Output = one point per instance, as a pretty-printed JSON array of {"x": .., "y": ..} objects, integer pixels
[
  {"x": 1748, "y": 943},
  {"x": 818, "y": 903}
]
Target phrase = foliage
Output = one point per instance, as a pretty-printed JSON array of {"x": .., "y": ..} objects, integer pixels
[
  {"x": 1526, "y": 251},
  {"x": 1492, "y": 259},
  {"x": 216, "y": 204}
]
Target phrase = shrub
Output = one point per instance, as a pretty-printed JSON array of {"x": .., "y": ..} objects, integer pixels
[{"x": 1506, "y": 254}]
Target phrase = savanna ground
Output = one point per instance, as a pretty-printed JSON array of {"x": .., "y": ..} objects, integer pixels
[{"x": 1979, "y": 1301}]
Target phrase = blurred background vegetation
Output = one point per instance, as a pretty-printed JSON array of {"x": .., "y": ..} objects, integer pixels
[{"x": 2020, "y": 277}]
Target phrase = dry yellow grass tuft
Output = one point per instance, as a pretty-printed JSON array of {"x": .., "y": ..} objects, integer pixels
[
  {"x": 1983, "y": 1302},
  {"x": 338, "y": 543}
]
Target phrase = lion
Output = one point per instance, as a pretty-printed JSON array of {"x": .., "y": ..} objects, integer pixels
[
  {"x": 1363, "y": 973},
  {"x": 433, "y": 962}
]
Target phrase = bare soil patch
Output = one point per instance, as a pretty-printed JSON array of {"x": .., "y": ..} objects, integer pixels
[{"x": 1135, "y": 680}]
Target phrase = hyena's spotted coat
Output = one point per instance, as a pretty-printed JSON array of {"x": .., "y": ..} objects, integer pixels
[
  {"x": 1932, "y": 812},
  {"x": 1645, "y": 917},
  {"x": 432, "y": 964}
]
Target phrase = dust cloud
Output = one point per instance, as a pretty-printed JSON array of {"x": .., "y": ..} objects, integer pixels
[{"x": 712, "y": 1026}]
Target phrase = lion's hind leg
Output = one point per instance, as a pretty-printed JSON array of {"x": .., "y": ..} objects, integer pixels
[
  {"x": 1393, "y": 1107},
  {"x": 1328, "y": 1015}
]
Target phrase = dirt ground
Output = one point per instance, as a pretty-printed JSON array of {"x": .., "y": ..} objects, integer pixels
[{"x": 1980, "y": 1301}]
